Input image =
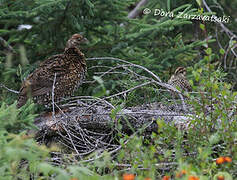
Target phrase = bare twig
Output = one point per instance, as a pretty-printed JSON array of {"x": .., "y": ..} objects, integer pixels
[
  {"x": 53, "y": 103},
  {"x": 120, "y": 146},
  {"x": 88, "y": 98},
  {"x": 158, "y": 165},
  {"x": 11, "y": 90},
  {"x": 217, "y": 38},
  {"x": 227, "y": 31},
  {"x": 234, "y": 46},
  {"x": 129, "y": 90},
  {"x": 7, "y": 46},
  {"x": 156, "y": 80},
  {"x": 121, "y": 60},
  {"x": 135, "y": 12}
]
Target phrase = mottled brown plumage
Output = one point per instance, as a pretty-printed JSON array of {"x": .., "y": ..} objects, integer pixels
[
  {"x": 69, "y": 67},
  {"x": 178, "y": 79}
]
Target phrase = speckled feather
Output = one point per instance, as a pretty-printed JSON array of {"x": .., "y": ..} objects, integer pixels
[
  {"x": 70, "y": 69},
  {"x": 178, "y": 79}
]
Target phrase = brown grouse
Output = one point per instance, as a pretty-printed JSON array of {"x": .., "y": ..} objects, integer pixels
[
  {"x": 65, "y": 71},
  {"x": 178, "y": 79}
]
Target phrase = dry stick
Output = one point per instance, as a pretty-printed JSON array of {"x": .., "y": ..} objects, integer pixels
[
  {"x": 232, "y": 48},
  {"x": 138, "y": 75},
  {"x": 118, "y": 72},
  {"x": 71, "y": 141},
  {"x": 225, "y": 57},
  {"x": 70, "y": 138},
  {"x": 95, "y": 98},
  {"x": 129, "y": 90},
  {"x": 85, "y": 138},
  {"x": 98, "y": 66},
  {"x": 109, "y": 71},
  {"x": 226, "y": 53},
  {"x": 120, "y": 146},
  {"x": 157, "y": 79},
  {"x": 11, "y": 90},
  {"x": 158, "y": 165},
  {"x": 53, "y": 114},
  {"x": 220, "y": 46},
  {"x": 7, "y": 46},
  {"x": 115, "y": 72},
  {"x": 126, "y": 91},
  {"x": 228, "y": 32},
  {"x": 121, "y": 60},
  {"x": 53, "y": 87},
  {"x": 135, "y": 12},
  {"x": 227, "y": 49}
]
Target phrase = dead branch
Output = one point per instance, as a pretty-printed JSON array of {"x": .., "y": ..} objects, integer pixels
[
  {"x": 7, "y": 46},
  {"x": 126, "y": 62},
  {"x": 228, "y": 32},
  {"x": 135, "y": 12},
  {"x": 53, "y": 87},
  {"x": 98, "y": 118},
  {"x": 10, "y": 90},
  {"x": 155, "y": 79}
]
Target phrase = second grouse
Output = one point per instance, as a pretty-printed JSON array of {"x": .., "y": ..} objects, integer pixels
[{"x": 178, "y": 79}]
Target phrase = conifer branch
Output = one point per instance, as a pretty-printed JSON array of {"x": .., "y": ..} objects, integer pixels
[{"x": 7, "y": 46}]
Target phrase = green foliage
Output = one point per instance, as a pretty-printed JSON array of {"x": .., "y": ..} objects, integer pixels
[
  {"x": 18, "y": 153},
  {"x": 14, "y": 120},
  {"x": 159, "y": 43}
]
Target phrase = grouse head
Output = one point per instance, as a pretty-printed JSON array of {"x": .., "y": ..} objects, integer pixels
[
  {"x": 180, "y": 70},
  {"x": 75, "y": 41}
]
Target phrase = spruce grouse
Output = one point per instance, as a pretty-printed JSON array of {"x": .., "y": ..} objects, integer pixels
[
  {"x": 178, "y": 79},
  {"x": 65, "y": 71}
]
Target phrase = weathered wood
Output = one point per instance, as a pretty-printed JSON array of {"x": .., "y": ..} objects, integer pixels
[{"x": 98, "y": 118}]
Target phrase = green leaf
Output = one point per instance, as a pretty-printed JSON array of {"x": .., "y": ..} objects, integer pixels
[
  {"x": 215, "y": 138},
  {"x": 208, "y": 51},
  {"x": 202, "y": 26},
  {"x": 222, "y": 51},
  {"x": 45, "y": 167},
  {"x": 98, "y": 79}
]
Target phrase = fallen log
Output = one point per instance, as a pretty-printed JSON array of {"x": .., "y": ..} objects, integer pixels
[{"x": 84, "y": 127}]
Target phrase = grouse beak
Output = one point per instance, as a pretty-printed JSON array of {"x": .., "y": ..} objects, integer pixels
[{"x": 85, "y": 41}]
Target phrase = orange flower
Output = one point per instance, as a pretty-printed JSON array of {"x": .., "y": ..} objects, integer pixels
[
  {"x": 193, "y": 178},
  {"x": 128, "y": 176},
  {"x": 220, "y": 177},
  {"x": 228, "y": 159},
  {"x": 166, "y": 178},
  {"x": 147, "y": 178},
  {"x": 74, "y": 179},
  {"x": 220, "y": 160},
  {"x": 181, "y": 173}
]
